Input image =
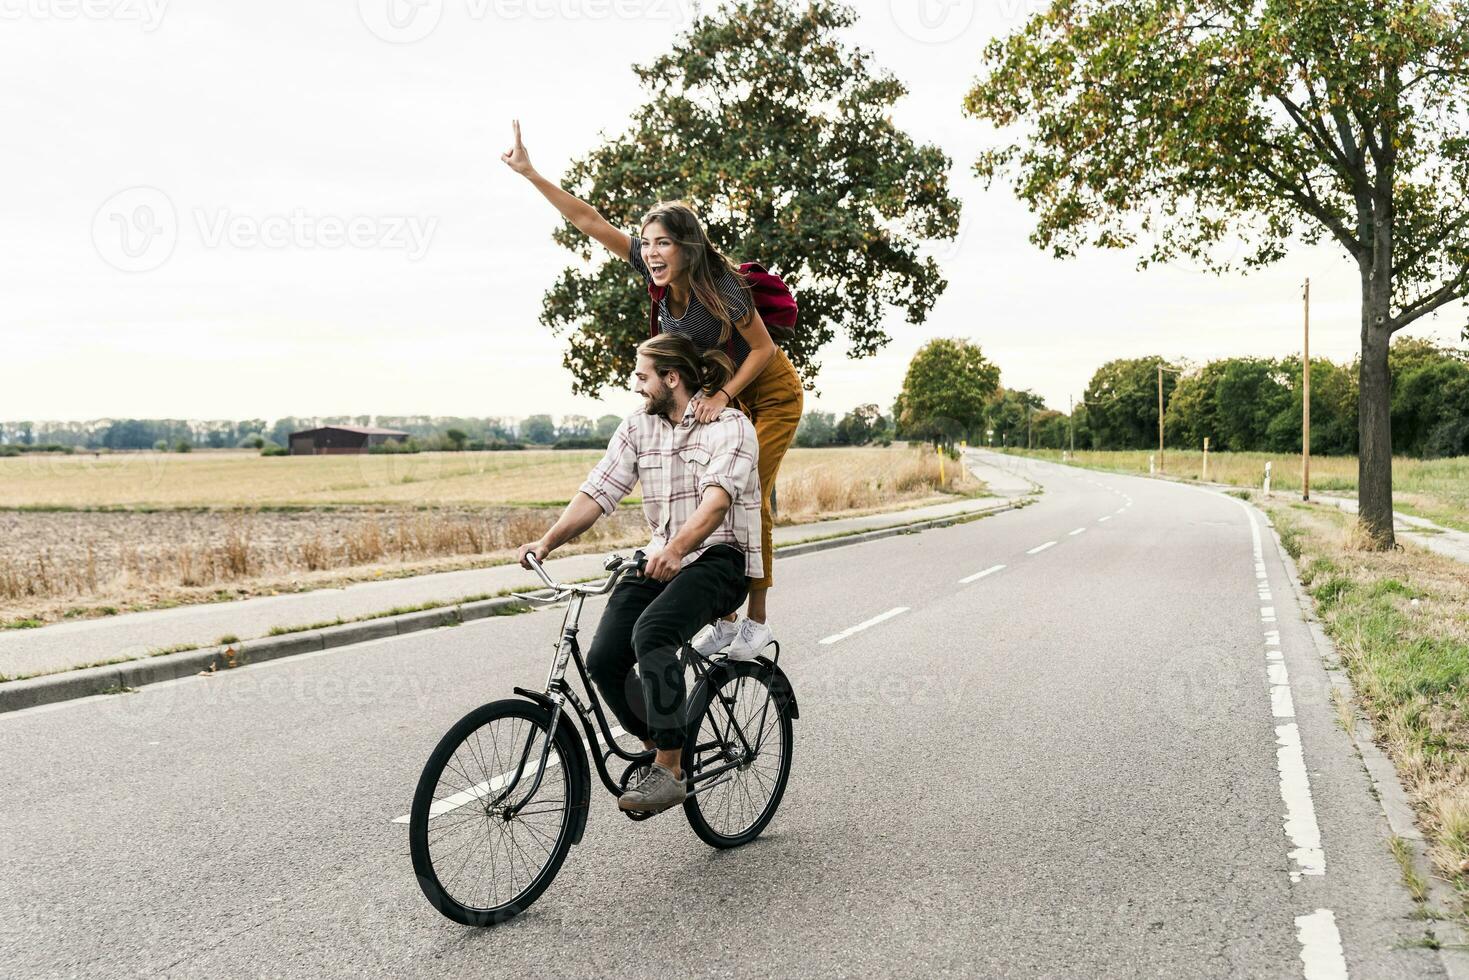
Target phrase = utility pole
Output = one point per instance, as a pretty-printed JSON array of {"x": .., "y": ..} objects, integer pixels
[
  {"x": 1306, "y": 401},
  {"x": 1162, "y": 464},
  {"x": 1027, "y": 426}
]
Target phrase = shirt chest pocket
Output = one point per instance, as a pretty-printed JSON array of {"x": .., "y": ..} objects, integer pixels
[{"x": 694, "y": 456}]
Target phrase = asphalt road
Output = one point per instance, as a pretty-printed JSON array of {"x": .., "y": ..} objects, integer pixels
[{"x": 1076, "y": 765}]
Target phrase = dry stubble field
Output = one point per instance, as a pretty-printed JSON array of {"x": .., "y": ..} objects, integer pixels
[{"x": 90, "y": 535}]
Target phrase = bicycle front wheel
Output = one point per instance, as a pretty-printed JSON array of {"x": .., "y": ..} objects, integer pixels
[
  {"x": 741, "y": 742},
  {"x": 483, "y": 848}
]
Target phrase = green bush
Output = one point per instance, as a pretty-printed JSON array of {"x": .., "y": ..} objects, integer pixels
[{"x": 394, "y": 446}]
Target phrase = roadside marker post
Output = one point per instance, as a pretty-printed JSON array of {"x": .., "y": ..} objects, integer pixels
[
  {"x": 1205, "y": 477},
  {"x": 1151, "y": 469},
  {"x": 1306, "y": 399},
  {"x": 1267, "y": 478}
]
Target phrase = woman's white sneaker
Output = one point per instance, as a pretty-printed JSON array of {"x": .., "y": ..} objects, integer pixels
[
  {"x": 715, "y": 637},
  {"x": 750, "y": 639}
]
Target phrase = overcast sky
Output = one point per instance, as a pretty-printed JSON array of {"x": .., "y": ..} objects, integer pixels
[{"x": 231, "y": 210}]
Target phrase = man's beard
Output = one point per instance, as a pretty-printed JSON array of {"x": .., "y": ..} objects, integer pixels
[{"x": 660, "y": 403}]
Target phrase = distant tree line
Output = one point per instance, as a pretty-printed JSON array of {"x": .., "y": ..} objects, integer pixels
[
  {"x": 951, "y": 392},
  {"x": 1254, "y": 403},
  {"x": 862, "y": 426},
  {"x": 425, "y": 432}
]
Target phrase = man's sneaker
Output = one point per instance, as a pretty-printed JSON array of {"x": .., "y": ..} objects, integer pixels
[
  {"x": 656, "y": 792},
  {"x": 715, "y": 637},
  {"x": 749, "y": 641}
]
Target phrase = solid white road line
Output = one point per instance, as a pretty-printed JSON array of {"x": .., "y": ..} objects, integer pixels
[
  {"x": 835, "y": 637},
  {"x": 1040, "y": 547},
  {"x": 480, "y": 790},
  {"x": 979, "y": 575},
  {"x": 1301, "y": 828},
  {"x": 1073, "y": 534}
]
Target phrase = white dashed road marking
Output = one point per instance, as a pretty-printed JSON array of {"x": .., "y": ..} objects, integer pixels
[
  {"x": 1040, "y": 547},
  {"x": 1321, "y": 950},
  {"x": 1073, "y": 534},
  {"x": 835, "y": 637},
  {"x": 979, "y": 575}
]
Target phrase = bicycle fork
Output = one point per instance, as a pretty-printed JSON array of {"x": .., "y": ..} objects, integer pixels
[{"x": 554, "y": 691}]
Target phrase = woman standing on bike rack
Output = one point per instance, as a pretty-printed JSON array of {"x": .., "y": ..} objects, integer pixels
[{"x": 707, "y": 300}]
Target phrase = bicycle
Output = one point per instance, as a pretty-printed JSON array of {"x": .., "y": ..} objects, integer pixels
[{"x": 505, "y": 793}]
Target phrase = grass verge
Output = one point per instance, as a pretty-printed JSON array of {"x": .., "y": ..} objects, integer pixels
[{"x": 1400, "y": 622}]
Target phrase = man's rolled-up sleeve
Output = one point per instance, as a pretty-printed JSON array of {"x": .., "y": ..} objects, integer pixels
[
  {"x": 613, "y": 478},
  {"x": 732, "y": 458}
]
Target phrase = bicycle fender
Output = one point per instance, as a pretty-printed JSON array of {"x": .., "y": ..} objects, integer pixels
[
  {"x": 576, "y": 765},
  {"x": 780, "y": 685}
]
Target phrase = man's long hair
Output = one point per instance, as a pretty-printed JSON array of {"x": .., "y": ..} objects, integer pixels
[
  {"x": 705, "y": 371},
  {"x": 704, "y": 263}
]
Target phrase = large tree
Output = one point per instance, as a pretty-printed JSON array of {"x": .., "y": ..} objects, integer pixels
[
  {"x": 781, "y": 136},
  {"x": 946, "y": 391},
  {"x": 1174, "y": 124}
]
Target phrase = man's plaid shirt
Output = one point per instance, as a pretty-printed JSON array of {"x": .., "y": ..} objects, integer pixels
[{"x": 676, "y": 463}]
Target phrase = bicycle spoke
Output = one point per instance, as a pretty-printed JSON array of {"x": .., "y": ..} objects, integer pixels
[
  {"x": 480, "y": 859},
  {"x": 743, "y": 713}
]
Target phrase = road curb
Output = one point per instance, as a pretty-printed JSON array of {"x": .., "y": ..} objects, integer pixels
[
  {"x": 117, "y": 678},
  {"x": 1392, "y": 797}
]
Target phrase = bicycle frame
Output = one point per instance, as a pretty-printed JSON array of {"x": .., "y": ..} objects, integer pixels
[{"x": 559, "y": 693}]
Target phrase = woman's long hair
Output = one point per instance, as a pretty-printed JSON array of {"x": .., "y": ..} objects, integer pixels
[
  {"x": 704, "y": 262},
  {"x": 705, "y": 371}
]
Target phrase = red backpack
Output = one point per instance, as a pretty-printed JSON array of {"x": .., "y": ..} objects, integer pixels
[{"x": 772, "y": 297}]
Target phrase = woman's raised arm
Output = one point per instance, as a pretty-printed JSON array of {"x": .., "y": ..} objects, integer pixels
[{"x": 581, "y": 214}]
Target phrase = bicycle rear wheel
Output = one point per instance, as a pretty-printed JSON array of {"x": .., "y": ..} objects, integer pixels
[
  {"x": 742, "y": 726},
  {"x": 477, "y": 862}
]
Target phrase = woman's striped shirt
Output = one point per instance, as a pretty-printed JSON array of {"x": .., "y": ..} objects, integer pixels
[{"x": 697, "y": 323}]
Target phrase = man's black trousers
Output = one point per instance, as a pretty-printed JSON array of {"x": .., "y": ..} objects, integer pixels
[{"x": 645, "y": 623}]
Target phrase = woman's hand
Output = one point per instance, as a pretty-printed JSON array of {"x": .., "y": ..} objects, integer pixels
[
  {"x": 709, "y": 406},
  {"x": 516, "y": 158}
]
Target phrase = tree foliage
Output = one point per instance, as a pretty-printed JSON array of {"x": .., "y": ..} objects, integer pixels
[
  {"x": 780, "y": 135},
  {"x": 816, "y": 429},
  {"x": 946, "y": 391},
  {"x": 1009, "y": 419},
  {"x": 862, "y": 425},
  {"x": 1175, "y": 125},
  {"x": 1122, "y": 402}
]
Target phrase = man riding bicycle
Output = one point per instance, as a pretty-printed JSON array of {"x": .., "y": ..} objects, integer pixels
[{"x": 701, "y": 497}]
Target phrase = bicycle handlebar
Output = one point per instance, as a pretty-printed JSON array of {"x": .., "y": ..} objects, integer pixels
[
  {"x": 615, "y": 564},
  {"x": 539, "y": 569}
]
